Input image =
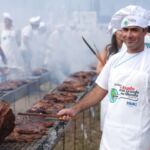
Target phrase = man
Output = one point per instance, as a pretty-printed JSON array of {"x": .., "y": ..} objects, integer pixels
[
  {"x": 9, "y": 43},
  {"x": 125, "y": 78},
  {"x": 30, "y": 40},
  {"x": 3, "y": 57}
]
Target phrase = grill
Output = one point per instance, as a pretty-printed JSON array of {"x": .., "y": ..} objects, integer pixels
[
  {"x": 32, "y": 85},
  {"x": 47, "y": 142}
]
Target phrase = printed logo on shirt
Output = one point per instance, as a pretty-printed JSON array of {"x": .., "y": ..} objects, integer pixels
[
  {"x": 147, "y": 45},
  {"x": 122, "y": 92},
  {"x": 129, "y": 93},
  {"x": 113, "y": 95},
  {"x": 131, "y": 104}
]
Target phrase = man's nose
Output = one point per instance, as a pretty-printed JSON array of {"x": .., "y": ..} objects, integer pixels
[{"x": 129, "y": 33}]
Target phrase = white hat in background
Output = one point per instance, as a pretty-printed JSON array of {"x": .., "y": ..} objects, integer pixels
[
  {"x": 42, "y": 24},
  {"x": 35, "y": 20},
  {"x": 6, "y": 15},
  {"x": 131, "y": 10}
]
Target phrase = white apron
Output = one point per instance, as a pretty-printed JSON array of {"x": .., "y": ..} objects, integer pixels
[
  {"x": 127, "y": 124},
  {"x": 103, "y": 111},
  {"x": 10, "y": 48}
]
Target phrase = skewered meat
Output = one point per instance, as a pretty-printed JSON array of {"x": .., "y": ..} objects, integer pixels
[
  {"x": 39, "y": 71},
  {"x": 85, "y": 76},
  {"x": 64, "y": 97},
  {"x": 28, "y": 129},
  {"x": 71, "y": 86},
  {"x": 46, "y": 107},
  {"x": 11, "y": 85},
  {"x": 6, "y": 86},
  {"x": 37, "y": 120},
  {"x": 7, "y": 120},
  {"x": 16, "y": 137}
]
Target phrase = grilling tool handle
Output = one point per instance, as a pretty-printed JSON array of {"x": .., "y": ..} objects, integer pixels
[{"x": 39, "y": 115}]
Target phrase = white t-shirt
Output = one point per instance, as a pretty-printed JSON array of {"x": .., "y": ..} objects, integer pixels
[
  {"x": 121, "y": 62},
  {"x": 121, "y": 59}
]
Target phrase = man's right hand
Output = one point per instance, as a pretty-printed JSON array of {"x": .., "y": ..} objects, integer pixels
[{"x": 67, "y": 113}]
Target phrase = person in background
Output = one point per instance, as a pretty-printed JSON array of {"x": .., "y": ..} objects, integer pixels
[
  {"x": 110, "y": 49},
  {"x": 44, "y": 34},
  {"x": 30, "y": 44},
  {"x": 3, "y": 57},
  {"x": 125, "y": 78},
  {"x": 9, "y": 43}
]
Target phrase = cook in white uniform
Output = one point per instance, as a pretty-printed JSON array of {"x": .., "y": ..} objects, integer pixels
[
  {"x": 3, "y": 59},
  {"x": 9, "y": 43},
  {"x": 131, "y": 9},
  {"x": 126, "y": 78},
  {"x": 30, "y": 40}
]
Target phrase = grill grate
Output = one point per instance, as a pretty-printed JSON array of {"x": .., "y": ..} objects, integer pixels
[{"x": 47, "y": 142}]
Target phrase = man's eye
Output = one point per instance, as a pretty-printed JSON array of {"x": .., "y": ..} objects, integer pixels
[{"x": 125, "y": 30}]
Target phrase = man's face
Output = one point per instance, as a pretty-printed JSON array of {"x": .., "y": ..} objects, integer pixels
[
  {"x": 133, "y": 37},
  {"x": 35, "y": 26}
]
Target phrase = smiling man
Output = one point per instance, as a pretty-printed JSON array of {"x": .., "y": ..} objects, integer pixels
[{"x": 126, "y": 79}]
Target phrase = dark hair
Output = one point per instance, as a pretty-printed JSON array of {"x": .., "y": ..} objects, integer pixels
[
  {"x": 148, "y": 29},
  {"x": 113, "y": 47}
]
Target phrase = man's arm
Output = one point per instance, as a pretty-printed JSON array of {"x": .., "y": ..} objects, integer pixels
[
  {"x": 3, "y": 56},
  {"x": 90, "y": 99}
]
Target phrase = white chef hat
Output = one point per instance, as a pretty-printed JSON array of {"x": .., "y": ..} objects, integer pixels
[
  {"x": 6, "y": 15},
  {"x": 133, "y": 20},
  {"x": 131, "y": 10},
  {"x": 42, "y": 24},
  {"x": 35, "y": 20},
  {"x": 111, "y": 30}
]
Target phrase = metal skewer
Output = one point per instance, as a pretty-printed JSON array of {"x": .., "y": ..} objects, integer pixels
[{"x": 92, "y": 50}]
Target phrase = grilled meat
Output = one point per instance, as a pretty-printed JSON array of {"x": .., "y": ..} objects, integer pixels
[
  {"x": 62, "y": 97},
  {"x": 46, "y": 107},
  {"x": 7, "y": 120},
  {"x": 39, "y": 71}
]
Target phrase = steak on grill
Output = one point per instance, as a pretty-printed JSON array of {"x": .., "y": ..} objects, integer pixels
[
  {"x": 7, "y": 120},
  {"x": 71, "y": 86},
  {"x": 46, "y": 107},
  {"x": 63, "y": 97},
  {"x": 85, "y": 76},
  {"x": 39, "y": 71},
  {"x": 28, "y": 129}
]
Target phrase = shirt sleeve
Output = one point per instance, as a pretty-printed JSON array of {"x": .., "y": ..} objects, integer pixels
[{"x": 103, "y": 78}]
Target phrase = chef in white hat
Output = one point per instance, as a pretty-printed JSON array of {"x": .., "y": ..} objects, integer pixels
[
  {"x": 31, "y": 44},
  {"x": 9, "y": 42},
  {"x": 125, "y": 78}
]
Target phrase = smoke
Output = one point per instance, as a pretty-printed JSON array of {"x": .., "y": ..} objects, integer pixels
[
  {"x": 68, "y": 53},
  {"x": 66, "y": 22}
]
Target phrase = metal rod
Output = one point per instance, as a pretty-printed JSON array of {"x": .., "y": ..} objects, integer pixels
[
  {"x": 92, "y": 50},
  {"x": 39, "y": 115}
]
